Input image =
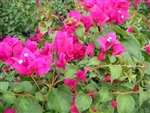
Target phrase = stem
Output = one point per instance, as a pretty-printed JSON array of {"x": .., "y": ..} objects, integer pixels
[
  {"x": 37, "y": 85},
  {"x": 123, "y": 93},
  {"x": 120, "y": 93},
  {"x": 23, "y": 95},
  {"x": 58, "y": 81},
  {"x": 103, "y": 66},
  {"x": 54, "y": 61}
]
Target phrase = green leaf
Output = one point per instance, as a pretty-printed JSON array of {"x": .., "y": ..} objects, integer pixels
[
  {"x": 2, "y": 108},
  {"x": 105, "y": 94},
  {"x": 35, "y": 108},
  {"x": 148, "y": 67},
  {"x": 133, "y": 46},
  {"x": 79, "y": 31},
  {"x": 125, "y": 104},
  {"x": 27, "y": 86},
  {"x": 9, "y": 97},
  {"x": 92, "y": 74},
  {"x": 44, "y": 30},
  {"x": 128, "y": 85},
  {"x": 24, "y": 103},
  {"x": 3, "y": 86},
  {"x": 112, "y": 58},
  {"x": 18, "y": 88},
  {"x": 110, "y": 108},
  {"x": 83, "y": 101},
  {"x": 39, "y": 96},
  {"x": 60, "y": 99},
  {"x": 91, "y": 87},
  {"x": 118, "y": 30},
  {"x": 83, "y": 62},
  {"x": 115, "y": 72},
  {"x": 143, "y": 96},
  {"x": 93, "y": 61},
  {"x": 70, "y": 71},
  {"x": 92, "y": 29}
]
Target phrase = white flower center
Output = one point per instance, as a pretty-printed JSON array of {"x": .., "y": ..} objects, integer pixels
[
  {"x": 26, "y": 54},
  {"x": 109, "y": 38},
  {"x": 122, "y": 16},
  {"x": 20, "y": 61},
  {"x": 119, "y": 11}
]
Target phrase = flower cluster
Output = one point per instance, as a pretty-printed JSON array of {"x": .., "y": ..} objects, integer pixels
[
  {"x": 27, "y": 58},
  {"x": 68, "y": 48},
  {"x": 110, "y": 42},
  {"x": 110, "y": 10}
]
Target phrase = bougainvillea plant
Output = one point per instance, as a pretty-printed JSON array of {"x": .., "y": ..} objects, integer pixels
[{"x": 99, "y": 62}]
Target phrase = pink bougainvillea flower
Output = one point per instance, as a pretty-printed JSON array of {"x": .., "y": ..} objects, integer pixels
[
  {"x": 39, "y": 66},
  {"x": 135, "y": 87},
  {"x": 47, "y": 49},
  {"x": 75, "y": 14},
  {"x": 90, "y": 49},
  {"x": 87, "y": 21},
  {"x": 78, "y": 51},
  {"x": 96, "y": 11},
  {"x": 31, "y": 45},
  {"x": 147, "y": 48},
  {"x": 131, "y": 30},
  {"x": 38, "y": 30},
  {"x": 71, "y": 83},
  {"x": 1, "y": 37},
  {"x": 103, "y": 42},
  {"x": 106, "y": 42},
  {"x": 87, "y": 4},
  {"x": 10, "y": 41},
  {"x": 15, "y": 44},
  {"x": 107, "y": 78},
  {"x": 102, "y": 55},
  {"x": 138, "y": 1},
  {"x": 38, "y": 3},
  {"x": 39, "y": 37},
  {"x": 64, "y": 44},
  {"x": 149, "y": 26},
  {"x": 9, "y": 110},
  {"x": 61, "y": 63},
  {"x": 81, "y": 75},
  {"x": 68, "y": 48},
  {"x": 122, "y": 13},
  {"x": 122, "y": 17},
  {"x": 148, "y": 3},
  {"x": 5, "y": 51},
  {"x": 16, "y": 80},
  {"x": 118, "y": 48},
  {"x": 94, "y": 109},
  {"x": 73, "y": 107},
  {"x": 6, "y": 68},
  {"x": 69, "y": 27},
  {"x": 114, "y": 103},
  {"x": 22, "y": 62}
]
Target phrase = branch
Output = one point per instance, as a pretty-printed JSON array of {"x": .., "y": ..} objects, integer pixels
[
  {"x": 37, "y": 85},
  {"x": 23, "y": 95}
]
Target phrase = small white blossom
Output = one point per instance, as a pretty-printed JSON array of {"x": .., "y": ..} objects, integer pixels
[{"x": 20, "y": 61}]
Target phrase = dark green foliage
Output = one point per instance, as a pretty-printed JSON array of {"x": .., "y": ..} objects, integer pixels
[{"x": 17, "y": 18}]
